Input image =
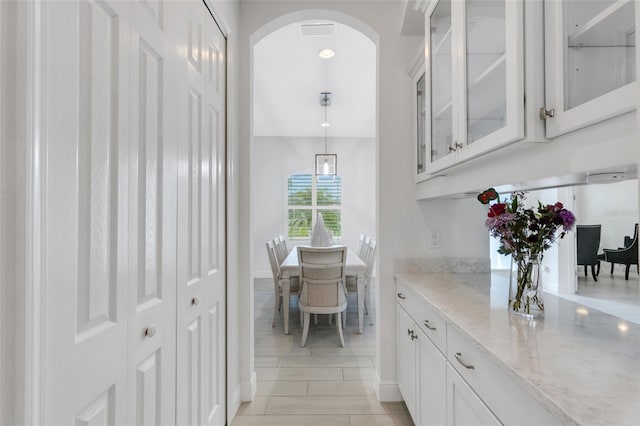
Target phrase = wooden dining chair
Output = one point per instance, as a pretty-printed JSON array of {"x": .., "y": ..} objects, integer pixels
[{"x": 322, "y": 285}]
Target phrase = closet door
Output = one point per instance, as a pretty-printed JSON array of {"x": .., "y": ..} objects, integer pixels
[
  {"x": 201, "y": 219},
  {"x": 83, "y": 188},
  {"x": 152, "y": 217}
]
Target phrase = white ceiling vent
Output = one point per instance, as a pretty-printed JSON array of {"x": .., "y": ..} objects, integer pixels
[
  {"x": 608, "y": 177},
  {"x": 318, "y": 28}
]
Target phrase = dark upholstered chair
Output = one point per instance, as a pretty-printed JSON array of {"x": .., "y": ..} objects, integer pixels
[
  {"x": 588, "y": 237},
  {"x": 627, "y": 255}
]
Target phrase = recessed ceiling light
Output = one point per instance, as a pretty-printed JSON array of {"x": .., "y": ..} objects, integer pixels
[
  {"x": 325, "y": 124},
  {"x": 326, "y": 53}
]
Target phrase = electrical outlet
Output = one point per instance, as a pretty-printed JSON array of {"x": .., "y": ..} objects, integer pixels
[{"x": 435, "y": 239}]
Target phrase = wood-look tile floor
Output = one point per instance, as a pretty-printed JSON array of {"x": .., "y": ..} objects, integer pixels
[{"x": 320, "y": 384}]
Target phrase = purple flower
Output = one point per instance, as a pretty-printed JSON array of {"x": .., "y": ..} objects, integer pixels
[{"x": 568, "y": 219}]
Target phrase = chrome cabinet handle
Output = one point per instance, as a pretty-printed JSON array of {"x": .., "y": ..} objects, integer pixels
[
  {"x": 461, "y": 361},
  {"x": 426, "y": 324},
  {"x": 402, "y": 296},
  {"x": 195, "y": 301},
  {"x": 150, "y": 331}
]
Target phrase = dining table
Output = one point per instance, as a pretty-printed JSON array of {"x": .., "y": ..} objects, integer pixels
[{"x": 355, "y": 267}]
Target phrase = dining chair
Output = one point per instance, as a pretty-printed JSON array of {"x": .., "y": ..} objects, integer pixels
[
  {"x": 277, "y": 283},
  {"x": 368, "y": 256},
  {"x": 322, "y": 285},
  {"x": 626, "y": 256},
  {"x": 370, "y": 259},
  {"x": 587, "y": 245},
  {"x": 279, "y": 252}
]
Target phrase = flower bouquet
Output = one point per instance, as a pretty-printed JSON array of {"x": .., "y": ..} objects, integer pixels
[{"x": 525, "y": 233}]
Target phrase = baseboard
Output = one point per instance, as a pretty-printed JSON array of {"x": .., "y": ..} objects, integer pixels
[
  {"x": 262, "y": 274},
  {"x": 249, "y": 388},
  {"x": 233, "y": 404},
  {"x": 387, "y": 390}
]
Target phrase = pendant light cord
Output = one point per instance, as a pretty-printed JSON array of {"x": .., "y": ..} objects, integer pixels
[{"x": 325, "y": 127}]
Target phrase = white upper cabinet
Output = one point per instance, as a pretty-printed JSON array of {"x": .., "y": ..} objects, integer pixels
[
  {"x": 473, "y": 82},
  {"x": 494, "y": 72},
  {"x": 590, "y": 62}
]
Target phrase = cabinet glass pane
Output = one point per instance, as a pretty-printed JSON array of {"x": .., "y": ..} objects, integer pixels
[
  {"x": 599, "y": 48},
  {"x": 486, "y": 69},
  {"x": 420, "y": 111},
  {"x": 441, "y": 83}
]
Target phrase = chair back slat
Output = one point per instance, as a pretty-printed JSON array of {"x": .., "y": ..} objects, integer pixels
[
  {"x": 371, "y": 257},
  {"x": 273, "y": 261}
]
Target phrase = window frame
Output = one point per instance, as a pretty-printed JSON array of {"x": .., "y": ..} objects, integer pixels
[{"x": 314, "y": 207}]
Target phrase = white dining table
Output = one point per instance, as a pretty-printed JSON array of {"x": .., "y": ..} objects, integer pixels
[{"x": 290, "y": 268}]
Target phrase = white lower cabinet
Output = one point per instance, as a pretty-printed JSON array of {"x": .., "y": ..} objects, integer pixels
[
  {"x": 445, "y": 378},
  {"x": 407, "y": 350},
  {"x": 464, "y": 407},
  {"x": 432, "y": 377}
]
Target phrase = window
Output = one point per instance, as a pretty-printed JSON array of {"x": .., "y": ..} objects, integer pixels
[{"x": 308, "y": 195}]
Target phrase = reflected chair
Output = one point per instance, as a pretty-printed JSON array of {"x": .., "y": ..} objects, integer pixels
[
  {"x": 322, "y": 285},
  {"x": 625, "y": 256},
  {"x": 588, "y": 242}
]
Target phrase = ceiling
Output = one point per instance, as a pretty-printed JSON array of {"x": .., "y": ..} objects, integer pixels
[{"x": 288, "y": 77}]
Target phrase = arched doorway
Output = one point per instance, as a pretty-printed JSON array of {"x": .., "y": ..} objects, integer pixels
[{"x": 281, "y": 144}]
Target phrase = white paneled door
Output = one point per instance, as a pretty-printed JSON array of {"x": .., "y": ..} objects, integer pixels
[
  {"x": 152, "y": 151},
  {"x": 85, "y": 240},
  {"x": 132, "y": 128},
  {"x": 201, "y": 219}
]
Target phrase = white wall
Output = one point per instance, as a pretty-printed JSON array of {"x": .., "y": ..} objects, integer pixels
[
  {"x": 280, "y": 157},
  {"x": 400, "y": 227},
  {"x": 614, "y": 206}
]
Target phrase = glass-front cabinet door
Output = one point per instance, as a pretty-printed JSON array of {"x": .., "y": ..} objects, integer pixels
[
  {"x": 440, "y": 87},
  {"x": 475, "y": 75},
  {"x": 590, "y": 62}
]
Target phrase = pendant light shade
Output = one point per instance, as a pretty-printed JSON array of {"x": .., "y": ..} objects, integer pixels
[{"x": 326, "y": 164}]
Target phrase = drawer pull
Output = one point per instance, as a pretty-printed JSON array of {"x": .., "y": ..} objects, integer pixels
[
  {"x": 461, "y": 361},
  {"x": 426, "y": 324},
  {"x": 414, "y": 336},
  {"x": 409, "y": 332},
  {"x": 402, "y": 296}
]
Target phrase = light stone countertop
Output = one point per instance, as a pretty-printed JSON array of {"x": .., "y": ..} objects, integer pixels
[{"x": 580, "y": 363}]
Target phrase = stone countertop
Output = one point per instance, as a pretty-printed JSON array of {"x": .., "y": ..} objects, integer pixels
[{"x": 580, "y": 363}]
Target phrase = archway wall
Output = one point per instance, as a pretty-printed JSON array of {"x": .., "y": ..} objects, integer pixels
[{"x": 401, "y": 230}]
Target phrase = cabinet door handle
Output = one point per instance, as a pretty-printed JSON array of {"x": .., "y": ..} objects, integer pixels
[
  {"x": 402, "y": 296},
  {"x": 426, "y": 324},
  {"x": 409, "y": 332},
  {"x": 461, "y": 361},
  {"x": 452, "y": 148},
  {"x": 414, "y": 336}
]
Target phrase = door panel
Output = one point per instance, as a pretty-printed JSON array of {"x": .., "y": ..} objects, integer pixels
[
  {"x": 152, "y": 218},
  {"x": 201, "y": 213},
  {"x": 84, "y": 208}
]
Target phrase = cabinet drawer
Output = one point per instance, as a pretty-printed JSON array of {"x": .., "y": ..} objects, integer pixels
[
  {"x": 430, "y": 322},
  {"x": 499, "y": 389}
]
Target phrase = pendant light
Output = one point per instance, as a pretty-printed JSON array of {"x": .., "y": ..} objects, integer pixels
[{"x": 326, "y": 164}]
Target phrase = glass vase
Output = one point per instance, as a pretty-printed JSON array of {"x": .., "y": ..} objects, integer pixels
[{"x": 525, "y": 287}]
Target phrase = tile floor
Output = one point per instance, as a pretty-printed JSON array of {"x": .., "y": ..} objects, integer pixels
[
  {"x": 320, "y": 384},
  {"x": 611, "y": 293}
]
